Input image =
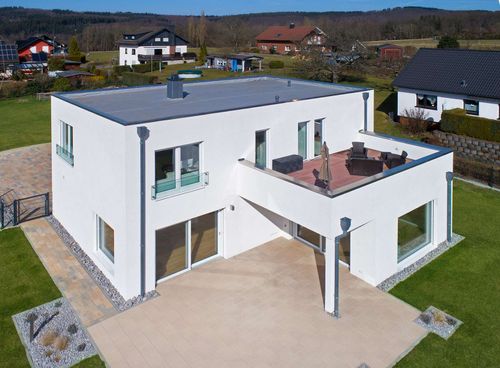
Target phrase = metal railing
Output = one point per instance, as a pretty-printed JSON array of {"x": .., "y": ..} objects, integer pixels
[
  {"x": 24, "y": 209},
  {"x": 187, "y": 183},
  {"x": 65, "y": 154}
]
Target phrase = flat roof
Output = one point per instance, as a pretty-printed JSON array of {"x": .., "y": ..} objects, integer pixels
[{"x": 136, "y": 105}]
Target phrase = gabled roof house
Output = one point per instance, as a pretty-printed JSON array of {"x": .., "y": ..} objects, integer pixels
[
  {"x": 442, "y": 79},
  {"x": 289, "y": 39}
]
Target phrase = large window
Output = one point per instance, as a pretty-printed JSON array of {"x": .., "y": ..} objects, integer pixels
[
  {"x": 427, "y": 101},
  {"x": 180, "y": 246},
  {"x": 471, "y": 107},
  {"x": 261, "y": 149},
  {"x": 302, "y": 138},
  {"x": 177, "y": 169},
  {"x": 65, "y": 148},
  {"x": 105, "y": 239},
  {"x": 318, "y": 136},
  {"x": 414, "y": 231},
  {"x": 309, "y": 236}
]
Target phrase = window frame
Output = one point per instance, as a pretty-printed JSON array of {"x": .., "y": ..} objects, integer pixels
[
  {"x": 425, "y": 97},
  {"x": 102, "y": 248},
  {"x": 469, "y": 101},
  {"x": 429, "y": 224}
]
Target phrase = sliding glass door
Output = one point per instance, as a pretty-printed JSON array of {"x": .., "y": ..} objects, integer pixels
[
  {"x": 318, "y": 136},
  {"x": 302, "y": 138},
  {"x": 181, "y": 246}
]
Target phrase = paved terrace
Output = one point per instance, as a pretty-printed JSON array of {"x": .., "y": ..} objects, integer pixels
[
  {"x": 129, "y": 106},
  {"x": 262, "y": 308}
]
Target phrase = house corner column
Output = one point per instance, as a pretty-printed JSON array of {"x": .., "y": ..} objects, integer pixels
[
  {"x": 329, "y": 275},
  {"x": 449, "y": 206},
  {"x": 143, "y": 134}
]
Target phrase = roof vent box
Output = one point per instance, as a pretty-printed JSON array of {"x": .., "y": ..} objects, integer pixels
[{"x": 175, "y": 88}]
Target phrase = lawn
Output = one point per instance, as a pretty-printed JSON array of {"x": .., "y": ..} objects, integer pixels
[
  {"x": 24, "y": 121},
  {"x": 430, "y": 42},
  {"x": 464, "y": 282},
  {"x": 25, "y": 284},
  {"x": 102, "y": 57}
]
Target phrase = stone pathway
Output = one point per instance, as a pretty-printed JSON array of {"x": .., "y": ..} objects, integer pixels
[
  {"x": 68, "y": 274},
  {"x": 27, "y": 170}
]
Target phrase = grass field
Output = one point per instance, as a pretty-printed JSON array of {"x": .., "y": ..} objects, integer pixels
[
  {"x": 23, "y": 122},
  {"x": 430, "y": 42},
  {"x": 464, "y": 282},
  {"x": 102, "y": 57},
  {"x": 25, "y": 284}
]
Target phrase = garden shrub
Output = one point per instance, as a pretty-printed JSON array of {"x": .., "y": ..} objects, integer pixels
[
  {"x": 414, "y": 120},
  {"x": 276, "y": 64},
  {"x": 120, "y": 69},
  {"x": 145, "y": 68},
  {"x": 62, "y": 85},
  {"x": 458, "y": 122},
  {"x": 137, "y": 79},
  {"x": 13, "y": 89},
  {"x": 486, "y": 172}
]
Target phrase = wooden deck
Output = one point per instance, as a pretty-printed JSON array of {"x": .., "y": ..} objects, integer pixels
[{"x": 340, "y": 174}]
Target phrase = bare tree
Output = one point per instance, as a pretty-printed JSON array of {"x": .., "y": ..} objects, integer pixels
[
  {"x": 415, "y": 120},
  {"x": 202, "y": 29},
  {"x": 192, "y": 32}
]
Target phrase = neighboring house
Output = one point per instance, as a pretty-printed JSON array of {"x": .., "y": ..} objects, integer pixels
[
  {"x": 443, "y": 79},
  {"x": 203, "y": 154},
  {"x": 290, "y": 39},
  {"x": 390, "y": 52},
  {"x": 34, "y": 45},
  {"x": 162, "y": 45},
  {"x": 235, "y": 62}
]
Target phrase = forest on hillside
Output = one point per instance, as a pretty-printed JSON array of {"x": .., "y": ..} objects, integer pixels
[{"x": 101, "y": 31}]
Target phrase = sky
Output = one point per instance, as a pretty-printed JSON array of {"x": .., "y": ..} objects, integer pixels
[{"x": 223, "y": 7}]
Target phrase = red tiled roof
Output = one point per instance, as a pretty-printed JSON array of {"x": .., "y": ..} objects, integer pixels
[{"x": 285, "y": 33}]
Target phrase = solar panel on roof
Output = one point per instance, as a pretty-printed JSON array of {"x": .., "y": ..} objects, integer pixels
[{"x": 8, "y": 53}]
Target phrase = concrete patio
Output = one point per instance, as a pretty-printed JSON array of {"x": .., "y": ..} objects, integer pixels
[{"x": 263, "y": 308}]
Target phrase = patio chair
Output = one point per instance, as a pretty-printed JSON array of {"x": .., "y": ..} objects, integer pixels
[
  {"x": 357, "y": 150},
  {"x": 392, "y": 159},
  {"x": 364, "y": 166}
]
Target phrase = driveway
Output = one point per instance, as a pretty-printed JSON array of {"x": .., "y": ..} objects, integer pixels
[{"x": 263, "y": 308}]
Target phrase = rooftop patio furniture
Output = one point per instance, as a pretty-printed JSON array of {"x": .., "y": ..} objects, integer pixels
[
  {"x": 288, "y": 164},
  {"x": 358, "y": 150},
  {"x": 393, "y": 159},
  {"x": 364, "y": 166}
]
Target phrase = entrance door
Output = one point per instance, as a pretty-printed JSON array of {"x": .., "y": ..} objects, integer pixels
[
  {"x": 302, "y": 139},
  {"x": 179, "y": 247},
  {"x": 261, "y": 148}
]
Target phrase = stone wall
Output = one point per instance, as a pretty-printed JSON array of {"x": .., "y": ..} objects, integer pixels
[{"x": 470, "y": 148}]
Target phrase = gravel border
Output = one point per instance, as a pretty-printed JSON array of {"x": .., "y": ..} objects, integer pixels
[
  {"x": 95, "y": 273},
  {"x": 395, "y": 279},
  {"x": 79, "y": 347},
  {"x": 443, "y": 329}
]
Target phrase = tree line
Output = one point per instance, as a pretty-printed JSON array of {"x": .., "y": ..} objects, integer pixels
[{"x": 101, "y": 31}]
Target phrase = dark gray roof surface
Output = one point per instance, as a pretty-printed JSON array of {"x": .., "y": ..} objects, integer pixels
[
  {"x": 136, "y": 105},
  {"x": 456, "y": 71}
]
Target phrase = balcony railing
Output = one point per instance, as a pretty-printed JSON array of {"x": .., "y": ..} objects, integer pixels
[
  {"x": 65, "y": 154},
  {"x": 187, "y": 183}
]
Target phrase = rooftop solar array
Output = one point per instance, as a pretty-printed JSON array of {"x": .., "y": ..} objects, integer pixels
[{"x": 8, "y": 53}]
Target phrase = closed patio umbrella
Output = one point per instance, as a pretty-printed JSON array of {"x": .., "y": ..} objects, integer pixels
[{"x": 325, "y": 174}]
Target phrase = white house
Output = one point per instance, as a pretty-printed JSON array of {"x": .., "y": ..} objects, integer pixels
[
  {"x": 162, "y": 45},
  {"x": 442, "y": 79},
  {"x": 153, "y": 181}
]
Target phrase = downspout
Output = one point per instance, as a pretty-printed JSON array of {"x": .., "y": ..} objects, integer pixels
[
  {"x": 449, "y": 207},
  {"x": 365, "y": 99},
  {"x": 143, "y": 134},
  {"x": 345, "y": 224}
]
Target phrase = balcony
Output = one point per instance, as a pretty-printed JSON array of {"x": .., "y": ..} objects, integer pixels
[
  {"x": 65, "y": 154},
  {"x": 165, "y": 57},
  {"x": 172, "y": 187}
]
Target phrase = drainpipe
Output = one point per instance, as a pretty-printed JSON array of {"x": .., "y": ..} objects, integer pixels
[
  {"x": 365, "y": 99},
  {"x": 345, "y": 224},
  {"x": 449, "y": 207},
  {"x": 143, "y": 134}
]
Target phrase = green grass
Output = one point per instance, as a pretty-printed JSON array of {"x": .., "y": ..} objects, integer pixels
[
  {"x": 430, "y": 42},
  {"x": 25, "y": 284},
  {"x": 24, "y": 122},
  {"x": 464, "y": 282},
  {"x": 102, "y": 57}
]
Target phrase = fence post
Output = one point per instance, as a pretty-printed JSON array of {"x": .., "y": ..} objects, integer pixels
[
  {"x": 15, "y": 212},
  {"x": 2, "y": 208},
  {"x": 47, "y": 209}
]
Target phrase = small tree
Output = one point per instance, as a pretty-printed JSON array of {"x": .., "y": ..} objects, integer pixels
[
  {"x": 62, "y": 84},
  {"x": 55, "y": 63},
  {"x": 448, "y": 42},
  {"x": 415, "y": 120},
  {"x": 203, "y": 54},
  {"x": 73, "y": 49}
]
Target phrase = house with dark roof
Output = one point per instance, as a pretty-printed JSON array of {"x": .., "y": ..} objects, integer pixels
[
  {"x": 290, "y": 39},
  {"x": 36, "y": 44},
  {"x": 162, "y": 45},
  {"x": 443, "y": 79}
]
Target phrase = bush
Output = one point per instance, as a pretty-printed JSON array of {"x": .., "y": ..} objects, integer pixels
[
  {"x": 55, "y": 63},
  {"x": 120, "y": 69},
  {"x": 62, "y": 85},
  {"x": 145, "y": 68},
  {"x": 40, "y": 83},
  {"x": 486, "y": 172},
  {"x": 414, "y": 120},
  {"x": 448, "y": 42},
  {"x": 458, "y": 122},
  {"x": 276, "y": 64},
  {"x": 13, "y": 89},
  {"x": 137, "y": 79}
]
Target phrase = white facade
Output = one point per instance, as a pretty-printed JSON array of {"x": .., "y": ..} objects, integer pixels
[
  {"x": 129, "y": 55},
  {"x": 254, "y": 206},
  {"x": 407, "y": 99}
]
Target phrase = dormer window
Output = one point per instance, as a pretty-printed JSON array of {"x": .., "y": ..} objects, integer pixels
[
  {"x": 132, "y": 37},
  {"x": 165, "y": 39},
  {"x": 157, "y": 39}
]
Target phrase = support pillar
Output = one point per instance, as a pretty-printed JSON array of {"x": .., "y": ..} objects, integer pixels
[
  {"x": 449, "y": 206},
  {"x": 143, "y": 134},
  {"x": 365, "y": 99}
]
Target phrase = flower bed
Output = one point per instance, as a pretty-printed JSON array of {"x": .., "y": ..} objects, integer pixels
[{"x": 53, "y": 335}]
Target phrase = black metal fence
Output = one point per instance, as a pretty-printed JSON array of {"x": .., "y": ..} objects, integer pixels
[{"x": 19, "y": 210}]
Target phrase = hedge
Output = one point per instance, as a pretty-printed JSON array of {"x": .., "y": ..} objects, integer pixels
[
  {"x": 458, "y": 122},
  {"x": 120, "y": 69},
  {"x": 137, "y": 79},
  {"x": 145, "y": 68},
  {"x": 485, "y": 172},
  {"x": 276, "y": 64}
]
